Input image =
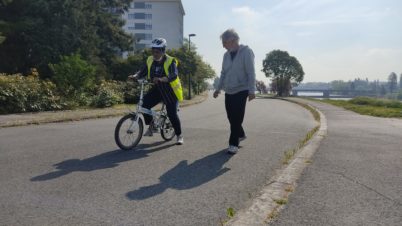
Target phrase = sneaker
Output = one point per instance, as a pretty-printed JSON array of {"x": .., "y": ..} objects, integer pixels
[
  {"x": 232, "y": 149},
  {"x": 180, "y": 140},
  {"x": 149, "y": 132},
  {"x": 242, "y": 138}
]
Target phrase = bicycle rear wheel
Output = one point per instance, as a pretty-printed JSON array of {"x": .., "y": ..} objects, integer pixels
[
  {"x": 128, "y": 132},
  {"x": 167, "y": 130}
]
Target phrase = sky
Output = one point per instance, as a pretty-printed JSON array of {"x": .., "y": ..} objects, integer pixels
[{"x": 332, "y": 39}]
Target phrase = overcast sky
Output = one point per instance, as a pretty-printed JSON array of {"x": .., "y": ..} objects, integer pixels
[{"x": 332, "y": 39}]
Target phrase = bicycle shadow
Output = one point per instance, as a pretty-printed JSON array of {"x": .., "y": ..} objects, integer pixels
[
  {"x": 184, "y": 176},
  {"x": 103, "y": 161}
]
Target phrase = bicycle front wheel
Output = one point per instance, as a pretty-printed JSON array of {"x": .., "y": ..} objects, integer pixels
[
  {"x": 167, "y": 130},
  {"x": 128, "y": 132}
]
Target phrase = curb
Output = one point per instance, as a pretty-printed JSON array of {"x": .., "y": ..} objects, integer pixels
[
  {"x": 273, "y": 196},
  {"x": 39, "y": 118}
]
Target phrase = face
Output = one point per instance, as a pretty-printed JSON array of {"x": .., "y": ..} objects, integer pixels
[
  {"x": 230, "y": 44},
  {"x": 157, "y": 54}
]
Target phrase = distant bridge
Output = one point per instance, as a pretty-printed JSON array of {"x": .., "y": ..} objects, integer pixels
[{"x": 326, "y": 93}]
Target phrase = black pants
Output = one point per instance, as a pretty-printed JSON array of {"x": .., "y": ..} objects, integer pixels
[
  {"x": 154, "y": 97},
  {"x": 235, "y": 105}
]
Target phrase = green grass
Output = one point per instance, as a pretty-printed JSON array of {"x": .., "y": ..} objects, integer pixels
[
  {"x": 281, "y": 201},
  {"x": 371, "y": 106}
]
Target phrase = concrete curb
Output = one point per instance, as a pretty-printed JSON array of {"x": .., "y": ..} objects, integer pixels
[
  {"x": 272, "y": 198},
  {"x": 37, "y": 118}
]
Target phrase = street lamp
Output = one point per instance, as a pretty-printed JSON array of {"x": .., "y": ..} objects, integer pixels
[
  {"x": 189, "y": 77},
  {"x": 189, "y": 41}
]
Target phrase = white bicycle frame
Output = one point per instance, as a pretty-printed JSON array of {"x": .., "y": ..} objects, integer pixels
[{"x": 142, "y": 110}]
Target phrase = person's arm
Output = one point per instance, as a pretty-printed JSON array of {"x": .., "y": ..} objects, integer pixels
[
  {"x": 141, "y": 73},
  {"x": 173, "y": 73},
  {"x": 250, "y": 71},
  {"x": 221, "y": 79}
]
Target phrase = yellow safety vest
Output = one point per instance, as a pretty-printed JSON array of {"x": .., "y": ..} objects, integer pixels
[{"x": 176, "y": 84}]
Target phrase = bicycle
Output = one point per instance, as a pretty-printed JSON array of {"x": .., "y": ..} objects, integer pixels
[{"x": 129, "y": 129}]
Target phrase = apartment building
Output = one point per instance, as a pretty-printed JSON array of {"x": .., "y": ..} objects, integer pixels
[{"x": 151, "y": 19}]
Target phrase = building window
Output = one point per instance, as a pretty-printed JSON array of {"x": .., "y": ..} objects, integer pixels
[
  {"x": 140, "y": 16},
  {"x": 131, "y": 16},
  {"x": 143, "y": 36},
  {"x": 139, "y": 5},
  {"x": 139, "y": 26},
  {"x": 140, "y": 46},
  {"x": 148, "y": 5},
  {"x": 148, "y": 26}
]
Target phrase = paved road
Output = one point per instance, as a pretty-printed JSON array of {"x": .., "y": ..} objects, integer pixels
[
  {"x": 73, "y": 174},
  {"x": 355, "y": 177}
]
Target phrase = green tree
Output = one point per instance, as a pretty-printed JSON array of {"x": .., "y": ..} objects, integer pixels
[
  {"x": 400, "y": 81},
  {"x": 73, "y": 76},
  {"x": 392, "y": 82},
  {"x": 3, "y": 3},
  {"x": 39, "y": 31},
  {"x": 261, "y": 88},
  {"x": 283, "y": 69}
]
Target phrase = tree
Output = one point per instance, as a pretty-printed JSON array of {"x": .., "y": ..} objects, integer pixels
[
  {"x": 38, "y": 32},
  {"x": 283, "y": 69},
  {"x": 261, "y": 88},
  {"x": 400, "y": 81},
  {"x": 73, "y": 75},
  {"x": 392, "y": 82}
]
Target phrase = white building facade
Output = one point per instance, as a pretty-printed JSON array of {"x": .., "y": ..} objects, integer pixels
[{"x": 151, "y": 19}]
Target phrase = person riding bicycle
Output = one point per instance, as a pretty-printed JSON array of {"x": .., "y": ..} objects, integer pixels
[{"x": 161, "y": 69}]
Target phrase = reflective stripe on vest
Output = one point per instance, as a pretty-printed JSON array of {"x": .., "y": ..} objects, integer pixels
[{"x": 176, "y": 84}]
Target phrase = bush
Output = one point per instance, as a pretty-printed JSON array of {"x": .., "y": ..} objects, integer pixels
[
  {"x": 27, "y": 94},
  {"x": 376, "y": 102},
  {"x": 399, "y": 96},
  {"x": 73, "y": 76},
  {"x": 109, "y": 93}
]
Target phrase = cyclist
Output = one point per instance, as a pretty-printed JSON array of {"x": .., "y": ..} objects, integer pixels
[{"x": 161, "y": 69}]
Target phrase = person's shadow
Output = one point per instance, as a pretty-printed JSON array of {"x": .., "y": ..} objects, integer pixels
[
  {"x": 103, "y": 161},
  {"x": 184, "y": 176}
]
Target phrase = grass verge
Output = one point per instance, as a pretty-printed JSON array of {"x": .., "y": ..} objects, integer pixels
[
  {"x": 289, "y": 154},
  {"x": 370, "y": 106}
]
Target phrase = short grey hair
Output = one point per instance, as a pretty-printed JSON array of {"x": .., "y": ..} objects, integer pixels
[{"x": 230, "y": 34}]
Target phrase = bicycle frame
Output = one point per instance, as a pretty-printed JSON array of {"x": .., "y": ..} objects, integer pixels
[
  {"x": 130, "y": 127},
  {"x": 142, "y": 110}
]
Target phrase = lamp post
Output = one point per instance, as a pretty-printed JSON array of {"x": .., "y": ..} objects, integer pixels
[{"x": 189, "y": 76}]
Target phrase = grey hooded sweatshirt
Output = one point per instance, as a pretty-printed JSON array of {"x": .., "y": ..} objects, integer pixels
[{"x": 238, "y": 74}]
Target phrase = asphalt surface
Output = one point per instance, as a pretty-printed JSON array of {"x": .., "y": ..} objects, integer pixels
[
  {"x": 355, "y": 177},
  {"x": 73, "y": 174}
]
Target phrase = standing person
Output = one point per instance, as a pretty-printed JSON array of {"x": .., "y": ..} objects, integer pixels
[
  {"x": 238, "y": 81},
  {"x": 161, "y": 69}
]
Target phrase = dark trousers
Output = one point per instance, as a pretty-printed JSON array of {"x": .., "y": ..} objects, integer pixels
[
  {"x": 154, "y": 97},
  {"x": 235, "y": 105}
]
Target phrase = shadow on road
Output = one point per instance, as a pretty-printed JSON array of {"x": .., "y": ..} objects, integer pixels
[
  {"x": 184, "y": 176},
  {"x": 103, "y": 161}
]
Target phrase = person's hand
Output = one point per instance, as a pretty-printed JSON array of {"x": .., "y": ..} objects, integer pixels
[
  {"x": 158, "y": 80},
  {"x": 155, "y": 80},
  {"x": 216, "y": 93},
  {"x": 134, "y": 76},
  {"x": 251, "y": 96}
]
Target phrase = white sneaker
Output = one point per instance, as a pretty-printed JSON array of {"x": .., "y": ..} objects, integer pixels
[
  {"x": 180, "y": 140},
  {"x": 232, "y": 149},
  {"x": 242, "y": 138},
  {"x": 149, "y": 132}
]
